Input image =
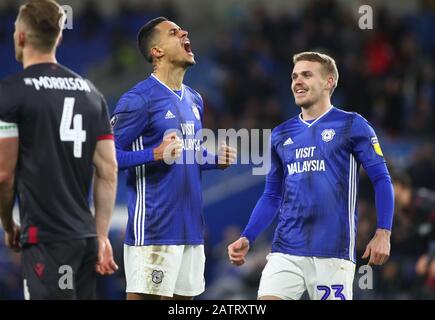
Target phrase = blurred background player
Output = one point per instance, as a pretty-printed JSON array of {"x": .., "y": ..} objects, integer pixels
[
  {"x": 312, "y": 186},
  {"x": 416, "y": 222},
  {"x": 164, "y": 245},
  {"x": 54, "y": 128}
]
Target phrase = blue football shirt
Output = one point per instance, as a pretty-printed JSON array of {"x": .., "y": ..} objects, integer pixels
[
  {"x": 318, "y": 163},
  {"x": 164, "y": 201}
]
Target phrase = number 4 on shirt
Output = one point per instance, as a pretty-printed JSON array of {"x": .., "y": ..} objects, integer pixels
[{"x": 76, "y": 134}]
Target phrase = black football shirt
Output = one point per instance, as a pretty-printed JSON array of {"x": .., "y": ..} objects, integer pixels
[{"x": 60, "y": 117}]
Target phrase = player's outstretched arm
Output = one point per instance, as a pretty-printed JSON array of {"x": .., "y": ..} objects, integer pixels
[
  {"x": 367, "y": 151},
  {"x": 263, "y": 214},
  {"x": 104, "y": 199},
  {"x": 238, "y": 250},
  {"x": 378, "y": 249},
  {"x": 8, "y": 161},
  {"x": 261, "y": 217}
]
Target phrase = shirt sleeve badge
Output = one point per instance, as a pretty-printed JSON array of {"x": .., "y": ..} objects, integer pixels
[{"x": 377, "y": 146}]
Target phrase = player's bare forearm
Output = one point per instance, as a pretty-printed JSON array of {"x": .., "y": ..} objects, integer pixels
[
  {"x": 8, "y": 162},
  {"x": 104, "y": 200},
  {"x": 105, "y": 181},
  {"x": 6, "y": 202}
]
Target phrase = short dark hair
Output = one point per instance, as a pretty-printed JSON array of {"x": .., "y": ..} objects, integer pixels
[
  {"x": 145, "y": 37},
  {"x": 44, "y": 20}
]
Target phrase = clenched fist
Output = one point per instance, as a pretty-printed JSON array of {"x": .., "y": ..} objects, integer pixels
[
  {"x": 169, "y": 150},
  {"x": 238, "y": 250},
  {"x": 226, "y": 156}
]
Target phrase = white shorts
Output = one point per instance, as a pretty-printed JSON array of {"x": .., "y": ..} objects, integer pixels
[
  {"x": 165, "y": 270},
  {"x": 288, "y": 277}
]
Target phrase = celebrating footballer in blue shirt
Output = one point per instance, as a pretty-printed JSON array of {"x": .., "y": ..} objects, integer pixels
[
  {"x": 312, "y": 188},
  {"x": 155, "y": 123}
]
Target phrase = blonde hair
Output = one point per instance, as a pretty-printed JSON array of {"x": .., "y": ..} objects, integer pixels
[{"x": 327, "y": 62}]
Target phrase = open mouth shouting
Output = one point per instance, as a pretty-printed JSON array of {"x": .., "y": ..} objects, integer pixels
[{"x": 187, "y": 47}]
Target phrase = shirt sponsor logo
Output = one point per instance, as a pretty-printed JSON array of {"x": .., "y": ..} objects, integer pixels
[
  {"x": 303, "y": 165},
  {"x": 189, "y": 140},
  {"x": 376, "y": 146},
  {"x": 306, "y": 166},
  {"x": 328, "y": 135}
]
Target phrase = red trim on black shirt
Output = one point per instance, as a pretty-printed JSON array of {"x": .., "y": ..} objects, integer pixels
[
  {"x": 106, "y": 137},
  {"x": 33, "y": 235}
]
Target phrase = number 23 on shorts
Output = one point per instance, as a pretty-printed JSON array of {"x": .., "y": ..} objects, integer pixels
[{"x": 337, "y": 288}]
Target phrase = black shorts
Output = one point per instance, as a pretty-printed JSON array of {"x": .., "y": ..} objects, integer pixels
[{"x": 60, "y": 270}]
